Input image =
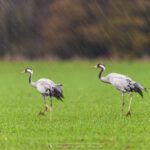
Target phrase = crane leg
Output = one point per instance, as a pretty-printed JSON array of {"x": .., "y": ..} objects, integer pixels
[
  {"x": 122, "y": 106},
  {"x": 46, "y": 107},
  {"x": 50, "y": 108},
  {"x": 129, "y": 113}
]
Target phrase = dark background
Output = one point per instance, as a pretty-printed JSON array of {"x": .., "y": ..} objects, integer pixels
[{"x": 68, "y": 29}]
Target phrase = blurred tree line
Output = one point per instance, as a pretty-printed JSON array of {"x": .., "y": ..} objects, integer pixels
[{"x": 75, "y": 28}]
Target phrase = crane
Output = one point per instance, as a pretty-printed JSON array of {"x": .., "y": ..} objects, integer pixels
[
  {"x": 46, "y": 88},
  {"x": 122, "y": 83}
]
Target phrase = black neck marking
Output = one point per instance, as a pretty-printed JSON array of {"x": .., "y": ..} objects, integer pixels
[
  {"x": 100, "y": 74},
  {"x": 30, "y": 78}
]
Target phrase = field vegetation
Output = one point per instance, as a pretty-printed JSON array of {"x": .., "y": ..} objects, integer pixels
[{"x": 89, "y": 118}]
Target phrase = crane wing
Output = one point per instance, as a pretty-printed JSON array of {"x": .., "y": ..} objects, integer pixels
[
  {"x": 127, "y": 85},
  {"x": 113, "y": 76},
  {"x": 122, "y": 84},
  {"x": 44, "y": 84},
  {"x": 48, "y": 87}
]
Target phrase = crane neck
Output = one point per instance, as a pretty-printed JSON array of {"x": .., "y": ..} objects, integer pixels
[
  {"x": 30, "y": 81},
  {"x": 103, "y": 79},
  {"x": 100, "y": 74}
]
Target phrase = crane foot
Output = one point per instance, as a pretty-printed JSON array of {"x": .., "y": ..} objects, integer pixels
[
  {"x": 128, "y": 113},
  {"x": 41, "y": 113}
]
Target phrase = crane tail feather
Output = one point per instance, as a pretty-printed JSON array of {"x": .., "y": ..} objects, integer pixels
[
  {"x": 138, "y": 88},
  {"x": 140, "y": 92},
  {"x": 57, "y": 92}
]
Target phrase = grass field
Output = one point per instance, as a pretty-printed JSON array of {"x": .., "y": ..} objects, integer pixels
[{"x": 89, "y": 118}]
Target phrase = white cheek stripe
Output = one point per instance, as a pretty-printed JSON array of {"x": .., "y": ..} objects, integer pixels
[
  {"x": 102, "y": 67},
  {"x": 29, "y": 70}
]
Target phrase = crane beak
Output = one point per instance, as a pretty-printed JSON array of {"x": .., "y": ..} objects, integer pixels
[
  {"x": 94, "y": 67},
  {"x": 22, "y": 72}
]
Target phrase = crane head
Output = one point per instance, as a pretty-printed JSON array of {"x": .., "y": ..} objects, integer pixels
[
  {"x": 28, "y": 70},
  {"x": 102, "y": 66}
]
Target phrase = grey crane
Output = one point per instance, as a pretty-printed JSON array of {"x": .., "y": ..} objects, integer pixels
[
  {"x": 122, "y": 83},
  {"x": 47, "y": 88}
]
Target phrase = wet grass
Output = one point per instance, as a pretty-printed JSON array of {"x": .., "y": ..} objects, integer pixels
[{"x": 89, "y": 118}]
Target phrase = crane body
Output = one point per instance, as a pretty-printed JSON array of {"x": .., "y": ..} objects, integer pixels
[
  {"x": 122, "y": 83},
  {"x": 46, "y": 88}
]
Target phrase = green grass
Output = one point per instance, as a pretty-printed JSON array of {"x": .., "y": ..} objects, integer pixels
[{"x": 89, "y": 118}]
